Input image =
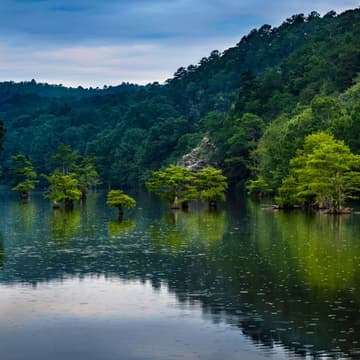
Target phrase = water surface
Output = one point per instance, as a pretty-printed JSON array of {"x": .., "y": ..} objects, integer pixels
[{"x": 242, "y": 282}]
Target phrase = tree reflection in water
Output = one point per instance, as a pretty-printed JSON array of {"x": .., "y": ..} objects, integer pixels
[
  {"x": 282, "y": 278},
  {"x": 65, "y": 225}
]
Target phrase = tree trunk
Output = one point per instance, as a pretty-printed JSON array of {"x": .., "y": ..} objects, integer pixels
[
  {"x": 56, "y": 205},
  {"x": 175, "y": 216},
  {"x": 212, "y": 205},
  {"x": 69, "y": 204},
  {"x": 24, "y": 196},
  {"x": 175, "y": 204}
]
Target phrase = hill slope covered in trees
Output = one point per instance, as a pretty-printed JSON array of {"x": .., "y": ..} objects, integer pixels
[{"x": 256, "y": 101}]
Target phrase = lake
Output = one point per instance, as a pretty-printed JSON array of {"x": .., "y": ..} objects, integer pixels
[{"x": 243, "y": 282}]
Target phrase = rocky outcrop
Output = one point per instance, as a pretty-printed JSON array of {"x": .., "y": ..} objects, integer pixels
[{"x": 199, "y": 157}]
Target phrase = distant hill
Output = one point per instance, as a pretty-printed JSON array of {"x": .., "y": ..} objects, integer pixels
[{"x": 237, "y": 97}]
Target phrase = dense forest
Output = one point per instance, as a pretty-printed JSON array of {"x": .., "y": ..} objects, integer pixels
[{"x": 254, "y": 104}]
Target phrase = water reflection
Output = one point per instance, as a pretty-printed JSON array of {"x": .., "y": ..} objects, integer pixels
[
  {"x": 179, "y": 229},
  {"x": 25, "y": 214},
  {"x": 99, "y": 318},
  {"x": 326, "y": 249},
  {"x": 314, "y": 276},
  {"x": 119, "y": 229},
  {"x": 64, "y": 224},
  {"x": 284, "y": 280}
]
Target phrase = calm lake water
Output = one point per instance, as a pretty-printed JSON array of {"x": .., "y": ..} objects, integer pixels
[{"x": 240, "y": 283}]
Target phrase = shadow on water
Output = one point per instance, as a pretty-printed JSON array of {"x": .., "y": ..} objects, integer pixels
[
  {"x": 119, "y": 229},
  {"x": 281, "y": 278}
]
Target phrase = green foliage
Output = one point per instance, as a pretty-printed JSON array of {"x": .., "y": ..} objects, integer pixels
[
  {"x": 298, "y": 96},
  {"x": 284, "y": 136},
  {"x": 65, "y": 159},
  {"x": 211, "y": 184},
  {"x": 22, "y": 168},
  {"x": 23, "y": 174},
  {"x": 258, "y": 187},
  {"x": 178, "y": 185},
  {"x": 25, "y": 187},
  {"x": 73, "y": 177},
  {"x": 82, "y": 168},
  {"x": 63, "y": 188},
  {"x": 256, "y": 101},
  {"x": 324, "y": 170},
  {"x": 117, "y": 198},
  {"x": 86, "y": 173},
  {"x": 288, "y": 194},
  {"x": 175, "y": 185},
  {"x": 244, "y": 134}
]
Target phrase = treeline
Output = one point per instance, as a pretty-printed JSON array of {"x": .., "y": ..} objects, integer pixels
[
  {"x": 71, "y": 178},
  {"x": 256, "y": 102}
]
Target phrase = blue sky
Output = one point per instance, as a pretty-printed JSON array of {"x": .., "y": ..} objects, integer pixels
[{"x": 98, "y": 42}]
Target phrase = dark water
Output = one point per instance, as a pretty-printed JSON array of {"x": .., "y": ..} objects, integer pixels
[{"x": 241, "y": 283}]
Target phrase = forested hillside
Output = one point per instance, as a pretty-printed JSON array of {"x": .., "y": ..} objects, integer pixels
[{"x": 256, "y": 102}]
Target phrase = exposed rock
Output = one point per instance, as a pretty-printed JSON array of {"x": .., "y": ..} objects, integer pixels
[{"x": 199, "y": 157}]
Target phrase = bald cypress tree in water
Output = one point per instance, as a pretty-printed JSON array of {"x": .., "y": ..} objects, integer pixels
[{"x": 24, "y": 176}]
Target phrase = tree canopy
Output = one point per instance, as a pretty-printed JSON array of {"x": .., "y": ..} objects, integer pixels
[
  {"x": 175, "y": 185},
  {"x": 117, "y": 198},
  {"x": 23, "y": 174},
  {"x": 256, "y": 102},
  {"x": 63, "y": 189},
  {"x": 179, "y": 185},
  {"x": 211, "y": 185},
  {"x": 324, "y": 171}
]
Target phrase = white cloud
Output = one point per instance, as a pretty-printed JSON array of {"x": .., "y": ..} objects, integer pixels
[
  {"x": 104, "y": 65},
  {"x": 80, "y": 298},
  {"x": 93, "y": 43}
]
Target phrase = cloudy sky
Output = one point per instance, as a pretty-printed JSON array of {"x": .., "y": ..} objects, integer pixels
[{"x": 98, "y": 42}]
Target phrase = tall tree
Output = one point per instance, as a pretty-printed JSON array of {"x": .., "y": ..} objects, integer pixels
[
  {"x": 244, "y": 135},
  {"x": 117, "y": 198},
  {"x": 65, "y": 159},
  {"x": 211, "y": 185},
  {"x": 326, "y": 171},
  {"x": 63, "y": 188},
  {"x": 175, "y": 185},
  {"x": 24, "y": 176},
  {"x": 87, "y": 175}
]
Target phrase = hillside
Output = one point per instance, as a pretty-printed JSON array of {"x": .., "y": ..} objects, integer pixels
[{"x": 245, "y": 99}]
